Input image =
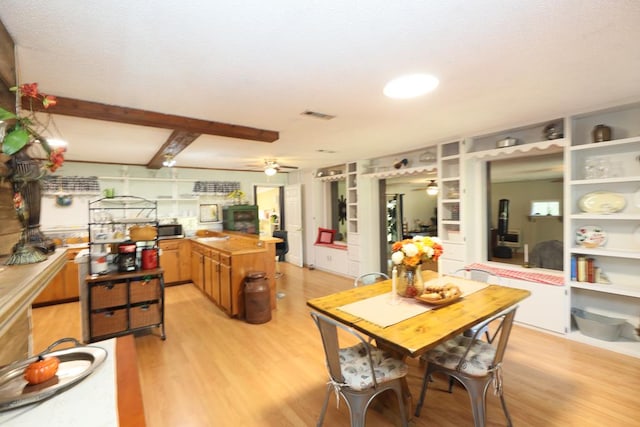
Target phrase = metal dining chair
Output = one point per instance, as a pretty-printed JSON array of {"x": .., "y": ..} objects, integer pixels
[
  {"x": 358, "y": 373},
  {"x": 369, "y": 278},
  {"x": 473, "y": 362}
]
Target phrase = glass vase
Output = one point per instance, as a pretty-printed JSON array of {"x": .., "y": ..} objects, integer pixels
[{"x": 410, "y": 281}]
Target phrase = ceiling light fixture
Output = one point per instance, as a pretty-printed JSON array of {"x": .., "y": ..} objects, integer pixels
[
  {"x": 169, "y": 161},
  {"x": 432, "y": 188},
  {"x": 410, "y": 86},
  {"x": 270, "y": 168}
]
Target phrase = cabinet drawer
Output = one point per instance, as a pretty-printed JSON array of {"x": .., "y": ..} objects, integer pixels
[
  {"x": 108, "y": 322},
  {"x": 225, "y": 259},
  {"x": 144, "y": 315},
  {"x": 169, "y": 246},
  {"x": 140, "y": 290},
  {"x": 108, "y": 294}
]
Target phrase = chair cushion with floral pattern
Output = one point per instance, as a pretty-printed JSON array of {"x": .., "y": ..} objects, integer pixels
[
  {"x": 357, "y": 372},
  {"x": 448, "y": 354}
]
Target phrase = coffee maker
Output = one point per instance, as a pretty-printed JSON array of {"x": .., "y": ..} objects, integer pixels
[{"x": 126, "y": 258}]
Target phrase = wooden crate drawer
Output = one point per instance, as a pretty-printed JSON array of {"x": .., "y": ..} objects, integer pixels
[
  {"x": 144, "y": 315},
  {"x": 108, "y": 322},
  {"x": 140, "y": 290},
  {"x": 108, "y": 294}
]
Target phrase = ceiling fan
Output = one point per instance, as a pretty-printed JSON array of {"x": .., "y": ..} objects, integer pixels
[{"x": 271, "y": 167}]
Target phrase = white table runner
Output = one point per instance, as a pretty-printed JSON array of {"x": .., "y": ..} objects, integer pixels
[
  {"x": 381, "y": 311},
  {"x": 89, "y": 403}
]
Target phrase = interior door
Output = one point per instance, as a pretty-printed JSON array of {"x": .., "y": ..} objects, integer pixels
[{"x": 293, "y": 223}]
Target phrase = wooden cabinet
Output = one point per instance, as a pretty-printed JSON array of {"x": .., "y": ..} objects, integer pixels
[
  {"x": 222, "y": 271},
  {"x": 64, "y": 286},
  {"x": 175, "y": 260}
]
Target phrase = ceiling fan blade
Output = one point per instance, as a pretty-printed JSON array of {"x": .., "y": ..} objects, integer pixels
[{"x": 288, "y": 167}]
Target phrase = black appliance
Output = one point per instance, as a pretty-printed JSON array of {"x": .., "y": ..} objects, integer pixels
[
  {"x": 126, "y": 258},
  {"x": 502, "y": 251}
]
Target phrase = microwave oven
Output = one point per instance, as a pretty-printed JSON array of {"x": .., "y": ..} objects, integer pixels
[{"x": 170, "y": 231}]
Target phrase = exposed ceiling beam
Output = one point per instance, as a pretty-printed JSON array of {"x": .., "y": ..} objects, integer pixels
[
  {"x": 177, "y": 141},
  {"x": 112, "y": 113}
]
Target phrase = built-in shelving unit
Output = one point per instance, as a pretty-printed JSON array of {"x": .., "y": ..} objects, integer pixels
[
  {"x": 450, "y": 193},
  {"x": 601, "y": 169}
]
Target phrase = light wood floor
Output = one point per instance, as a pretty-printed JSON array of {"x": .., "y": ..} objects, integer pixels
[{"x": 216, "y": 371}]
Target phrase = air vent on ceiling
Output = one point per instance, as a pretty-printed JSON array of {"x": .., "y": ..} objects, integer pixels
[{"x": 317, "y": 115}]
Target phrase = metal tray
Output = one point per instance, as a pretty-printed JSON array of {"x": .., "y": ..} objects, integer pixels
[{"x": 76, "y": 363}]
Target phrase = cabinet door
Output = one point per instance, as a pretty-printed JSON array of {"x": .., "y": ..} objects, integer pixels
[
  {"x": 225, "y": 287},
  {"x": 55, "y": 290},
  {"x": 184, "y": 251},
  {"x": 71, "y": 287},
  {"x": 207, "y": 275},
  {"x": 169, "y": 261},
  {"x": 197, "y": 269},
  {"x": 215, "y": 278}
]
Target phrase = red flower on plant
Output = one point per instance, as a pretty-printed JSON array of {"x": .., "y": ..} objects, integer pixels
[
  {"x": 56, "y": 159},
  {"x": 49, "y": 100},
  {"x": 29, "y": 89}
]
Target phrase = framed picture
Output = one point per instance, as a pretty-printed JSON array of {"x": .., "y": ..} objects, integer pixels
[{"x": 209, "y": 213}]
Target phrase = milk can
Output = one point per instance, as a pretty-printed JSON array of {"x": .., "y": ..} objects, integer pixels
[{"x": 257, "y": 298}]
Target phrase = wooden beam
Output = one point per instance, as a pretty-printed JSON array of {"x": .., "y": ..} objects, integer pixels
[
  {"x": 7, "y": 58},
  {"x": 177, "y": 141},
  {"x": 112, "y": 113}
]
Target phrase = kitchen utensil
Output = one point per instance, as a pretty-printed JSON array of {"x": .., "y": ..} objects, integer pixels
[
  {"x": 591, "y": 236},
  {"x": 602, "y": 202}
]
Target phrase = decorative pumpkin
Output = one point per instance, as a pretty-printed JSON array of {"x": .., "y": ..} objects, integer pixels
[{"x": 41, "y": 370}]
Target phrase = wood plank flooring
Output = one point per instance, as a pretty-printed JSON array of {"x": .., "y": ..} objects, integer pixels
[{"x": 216, "y": 371}]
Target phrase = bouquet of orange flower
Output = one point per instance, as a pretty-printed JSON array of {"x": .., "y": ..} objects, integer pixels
[{"x": 411, "y": 252}]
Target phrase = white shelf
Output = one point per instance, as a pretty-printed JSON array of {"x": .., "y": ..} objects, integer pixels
[
  {"x": 605, "y": 217},
  {"x": 604, "y": 145},
  {"x": 601, "y": 181},
  {"x": 615, "y": 253},
  {"x": 629, "y": 291},
  {"x": 628, "y": 347}
]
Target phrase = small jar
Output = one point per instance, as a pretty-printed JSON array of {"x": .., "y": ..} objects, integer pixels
[{"x": 601, "y": 133}]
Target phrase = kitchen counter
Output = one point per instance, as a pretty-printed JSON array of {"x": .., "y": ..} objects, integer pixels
[{"x": 19, "y": 286}]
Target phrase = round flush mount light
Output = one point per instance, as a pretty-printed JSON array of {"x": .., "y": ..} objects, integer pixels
[{"x": 410, "y": 86}]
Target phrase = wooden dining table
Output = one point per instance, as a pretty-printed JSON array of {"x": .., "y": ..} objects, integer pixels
[{"x": 416, "y": 335}]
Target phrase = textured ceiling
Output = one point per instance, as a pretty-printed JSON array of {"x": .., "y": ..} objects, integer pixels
[{"x": 260, "y": 64}]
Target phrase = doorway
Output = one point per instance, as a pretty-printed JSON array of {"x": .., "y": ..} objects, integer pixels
[
  {"x": 406, "y": 211},
  {"x": 270, "y": 202}
]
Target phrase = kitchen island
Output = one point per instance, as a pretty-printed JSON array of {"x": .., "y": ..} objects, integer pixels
[{"x": 220, "y": 261}]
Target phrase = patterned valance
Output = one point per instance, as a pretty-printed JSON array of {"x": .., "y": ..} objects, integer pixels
[
  {"x": 215, "y": 187},
  {"x": 70, "y": 184}
]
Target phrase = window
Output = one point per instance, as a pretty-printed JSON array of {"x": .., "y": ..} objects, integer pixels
[{"x": 545, "y": 207}]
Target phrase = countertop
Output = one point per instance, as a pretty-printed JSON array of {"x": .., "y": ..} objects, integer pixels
[{"x": 21, "y": 284}]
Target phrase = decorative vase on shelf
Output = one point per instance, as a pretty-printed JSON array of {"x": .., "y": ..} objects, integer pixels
[
  {"x": 410, "y": 281},
  {"x": 33, "y": 245},
  {"x": 601, "y": 133}
]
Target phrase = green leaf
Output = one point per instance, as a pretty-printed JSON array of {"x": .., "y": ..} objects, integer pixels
[
  {"x": 6, "y": 115},
  {"x": 14, "y": 141}
]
